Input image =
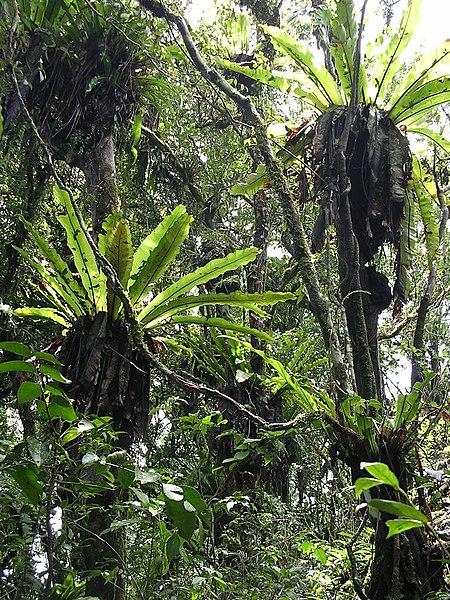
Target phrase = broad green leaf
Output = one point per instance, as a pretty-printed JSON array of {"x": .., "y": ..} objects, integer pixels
[
  {"x": 273, "y": 79},
  {"x": 397, "y": 526},
  {"x": 59, "y": 275},
  {"x": 1, "y": 121},
  {"x": 365, "y": 483},
  {"x": 61, "y": 408},
  {"x": 53, "y": 373},
  {"x": 45, "y": 314},
  {"x": 238, "y": 456},
  {"x": 16, "y": 348},
  {"x": 392, "y": 507},
  {"x": 431, "y": 65},
  {"x": 53, "y": 389},
  {"x": 93, "y": 280},
  {"x": 115, "y": 245},
  {"x": 436, "y": 138},
  {"x": 194, "y": 498},
  {"x": 28, "y": 391},
  {"x": 321, "y": 555},
  {"x": 27, "y": 478},
  {"x": 388, "y": 62},
  {"x": 48, "y": 358},
  {"x": 200, "y": 276},
  {"x": 69, "y": 435},
  {"x": 157, "y": 251},
  {"x": 382, "y": 472},
  {"x": 253, "y": 183},
  {"x": 125, "y": 475},
  {"x": 51, "y": 289},
  {"x": 16, "y": 365},
  {"x": 406, "y": 408},
  {"x": 322, "y": 80},
  {"x": 249, "y": 301},
  {"x": 222, "y": 324},
  {"x": 344, "y": 34},
  {"x": 416, "y": 104},
  {"x": 184, "y": 520},
  {"x": 317, "y": 102}
]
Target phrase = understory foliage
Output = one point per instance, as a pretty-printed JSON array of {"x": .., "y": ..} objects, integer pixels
[{"x": 223, "y": 302}]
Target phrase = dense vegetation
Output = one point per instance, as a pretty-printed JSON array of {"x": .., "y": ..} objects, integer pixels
[{"x": 223, "y": 294}]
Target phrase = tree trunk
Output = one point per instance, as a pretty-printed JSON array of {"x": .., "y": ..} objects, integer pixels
[
  {"x": 108, "y": 379},
  {"x": 99, "y": 168}
]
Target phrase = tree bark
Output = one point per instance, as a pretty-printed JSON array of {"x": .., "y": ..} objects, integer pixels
[
  {"x": 99, "y": 168},
  {"x": 108, "y": 378}
]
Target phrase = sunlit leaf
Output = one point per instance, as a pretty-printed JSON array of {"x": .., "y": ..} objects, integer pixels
[
  {"x": 382, "y": 472},
  {"x": 397, "y": 526}
]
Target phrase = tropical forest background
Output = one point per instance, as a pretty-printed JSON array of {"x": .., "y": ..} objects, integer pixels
[{"x": 224, "y": 295}]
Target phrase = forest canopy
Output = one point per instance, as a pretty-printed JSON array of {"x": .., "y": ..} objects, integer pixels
[{"x": 223, "y": 301}]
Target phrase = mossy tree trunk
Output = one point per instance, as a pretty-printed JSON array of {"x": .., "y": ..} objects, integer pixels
[{"x": 109, "y": 378}]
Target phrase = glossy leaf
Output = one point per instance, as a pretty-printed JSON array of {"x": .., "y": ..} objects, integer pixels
[
  {"x": 388, "y": 61},
  {"x": 172, "y": 492},
  {"x": 157, "y": 251},
  {"x": 344, "y": 33},
  {"x": 59, "y": 276},
  {"x": 200, "y": 276},
  {"x": 253, "y": 183},
  {"x": 397, "y": 526},
  {"x": 115, "y": 245},
  {"x": 434, "y": 137},
  {"x": 28, "y": 391},
  {"x": 365, "y": 483},
  {"x": 61, "y": 408},
  {"x": 222, "y": 324},
  {"x": 324, "y": 84},
  {"x": 27, "y": 478},
  {"x": 93, "y": 280},
  {"x": 45, "y": 314},
  {"x": 419, "y": 102},
  {"x": 382, "y": 472},
  {"x": 399, "y": 509},
  {"x": 248, "y": 301},
  {"x": 16, "y": 348},
  {"x": 53, "y": 373},
  {"x": 11, "y": 366},
  {"x": 430, "y": 65}
]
